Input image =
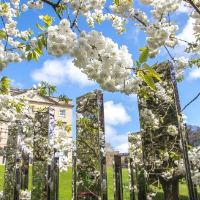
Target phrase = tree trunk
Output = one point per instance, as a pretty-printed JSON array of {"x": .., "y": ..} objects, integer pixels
[{"x": 170, "y": 188}]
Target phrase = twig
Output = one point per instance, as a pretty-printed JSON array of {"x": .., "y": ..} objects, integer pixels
[
  {"x": 168, "y": 52},
  {"x": 76, "y": 18},
  {"x": 191, "y": 102},
  {"x": 6, "y": 33},
  {"x": 140, "y": 21}
]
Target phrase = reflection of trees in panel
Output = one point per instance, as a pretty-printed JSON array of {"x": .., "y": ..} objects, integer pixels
[
  {"x": 117, "y": 178},
  {"x": 9, "y": 177},
  {"x": 159, "y": 122},
  {"x": 90, "y": 141},
  {"x": 24, "y": 171},
  {"x": 40, "y": 149},
  {"x": 160, "y": 129},
  {"x": 137, "y": 186}
]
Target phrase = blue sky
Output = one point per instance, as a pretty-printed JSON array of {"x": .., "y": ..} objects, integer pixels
[{"x": 121, "y": 111}]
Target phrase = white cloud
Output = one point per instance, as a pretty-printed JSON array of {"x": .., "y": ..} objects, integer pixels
[
  {"x": 119, "y": 142},
  {"x": 58, "y": 72},
  {"x": 194, "y": 74},
  {"x": 115, "y": 114},
  {"x": 16, "y": 84},
  {"x": 133, "y": 34},
  {"x": 122, "y": 148},
  {"x": 187, "y": 31},
  {"x": 183, "y": 8},
  {"x": 110, "y": 132}
]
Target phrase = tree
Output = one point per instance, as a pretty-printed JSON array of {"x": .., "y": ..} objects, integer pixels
[
  {"x": 97, "y": 56},
  {"x": 193, "y": 134},
  {"x": 109, "y": 146}
]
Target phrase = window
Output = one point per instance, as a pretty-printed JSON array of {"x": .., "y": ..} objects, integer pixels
[{"x": 62, "y": 113}]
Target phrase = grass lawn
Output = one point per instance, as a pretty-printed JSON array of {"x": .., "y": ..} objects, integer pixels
[{"x": 65, "y": 192}]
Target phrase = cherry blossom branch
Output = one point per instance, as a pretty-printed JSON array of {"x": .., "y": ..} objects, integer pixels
[
  {"x": 140, "y": 21},
  {"x": 193, "y": 5}
]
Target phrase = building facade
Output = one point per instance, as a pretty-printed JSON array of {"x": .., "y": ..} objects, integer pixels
[{"x": 63, "y": 112}]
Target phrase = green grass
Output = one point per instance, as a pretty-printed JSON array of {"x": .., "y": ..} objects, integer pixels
[{"x": 65, "y": 182}]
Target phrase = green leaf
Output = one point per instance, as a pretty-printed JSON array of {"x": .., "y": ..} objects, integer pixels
[
  {"x": 172, "y": 22},
  {"x": 152, "y": 71},
  {"x": 116, "y": 2},
  {"x": 147, "y": 78},
  {"x": 35, "y": 57},
  {"x": 137, "y": 64},
  {"x": 98, "y": 20},
  {"x": 39, "y": 51},
  {"x": 42, "y": 28},
  {"x": 4, "y": 85},
  {"x": 47, "y": 20},
  {"x": 144, "y": 55},
  {"x": 30, "y": 56},
  {"x": 43, "y": 40},
  {"x": 3, "y": 35},
  {"x": 21, "y": 44},
  {"x": 18, "y": 109},
  {"x": 28, "y": 47},
  {"x": 22, "y": 38},
  {"x": 141, "y": 48},
  {"x": 40, "y": 44},
  {"x": 58, "y": 9}
]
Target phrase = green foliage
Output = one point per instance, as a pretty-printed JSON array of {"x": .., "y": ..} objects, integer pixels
[
  {"x": 147, "y": 78},
  {"x": 144, "y": 93},
  {"x": 195, "y": 61},
  {"x": 3, "y": 35},
  {"x": 60, "y": 9},
  {"x": 64, "y": 98},
  {"x": 4, "y": 85},
  {"x": 41, "y": 28},
  {"x": 47, "y": 89},
  {"x": 138, "y": 65},
  {"x": 47, "y": 20},
  {"x": 151, "y": 70},
  {"x": 144, "y": 54},
  {"x": 175, "y": 156},
  {"x": 116, "y": 2},
  {"x": 146, "y": 72},
  {"x": 67, "y": 127}
]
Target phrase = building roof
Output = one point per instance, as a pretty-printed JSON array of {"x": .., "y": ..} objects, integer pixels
[{"x": 43, "y": 98}]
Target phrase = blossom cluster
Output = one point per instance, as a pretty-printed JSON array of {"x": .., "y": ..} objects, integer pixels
[
  {"x": 61, "y": 39},
  {"x": 101, "y": 60},
  {"x": 194, "y": 157},
  {"x": 25, "y": 194},
  {"x": 149, "y": 119}
]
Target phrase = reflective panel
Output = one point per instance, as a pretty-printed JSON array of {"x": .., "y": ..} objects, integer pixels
[
  {"x": 90, "y": 141},
  {"x": 117, "y": 178}
]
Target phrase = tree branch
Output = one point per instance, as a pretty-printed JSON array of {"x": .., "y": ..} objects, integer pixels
[
  {"x": 168, "y": 52},
  {"x": 191, "y": 102},
  {"x": 53, "y": 5},
  {"x": 193, "y": 5},
  {"x": 77, "y": 14}
]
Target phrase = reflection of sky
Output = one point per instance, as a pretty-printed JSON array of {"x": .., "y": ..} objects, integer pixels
[{"x": 75, "y": 84}]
